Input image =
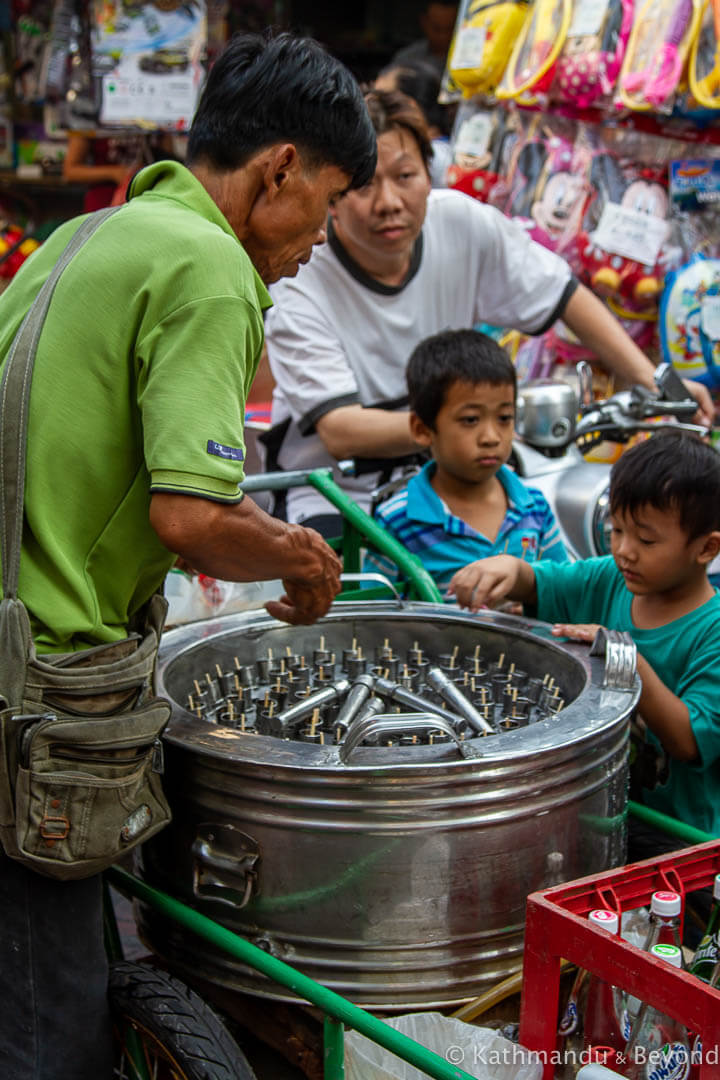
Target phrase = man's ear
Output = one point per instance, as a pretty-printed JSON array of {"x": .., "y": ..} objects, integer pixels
[
  {"x": 710, "y": 548},
  {"x": 282, "y": 163},
  {"x": 421, "y": 433}
]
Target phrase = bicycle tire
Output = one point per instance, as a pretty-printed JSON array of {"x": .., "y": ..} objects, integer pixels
[{"x": 180, "y": 1036}]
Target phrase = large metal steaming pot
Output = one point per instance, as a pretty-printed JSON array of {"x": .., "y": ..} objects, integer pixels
[{"x": 396, "y": 875}]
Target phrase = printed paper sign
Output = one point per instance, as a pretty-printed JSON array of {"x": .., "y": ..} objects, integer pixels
[
  {"x": 631, "y": 233},
  {"x": 695, "y": 184},
  {"x": 150, "y": 61},
  {"x": 474, "y": 135},
  {"x": 588, "y": 17},
  {"x": 469, "y": 48}
]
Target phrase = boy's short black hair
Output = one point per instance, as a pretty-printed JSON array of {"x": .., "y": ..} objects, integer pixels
[
  {"x": 269, "y": 88},
  {"x": 673, "y": 470},
  {"x": 449, "y": 357}
]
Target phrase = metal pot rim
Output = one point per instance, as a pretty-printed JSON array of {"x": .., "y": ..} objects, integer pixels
[{"x": 598, "y": 708}]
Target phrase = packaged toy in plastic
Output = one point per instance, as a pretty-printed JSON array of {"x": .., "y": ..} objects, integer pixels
[
  {"x": 485, "y": 34},
  {"x": 660, "y": 41},
  {"x": 690, "y": 305},
  {"x": 592, "y": 55},
  {"x": 481, "y": 146},
  {"x": 531, "y": 67},
  {"x": 690, "y": 320},
  {"x": 548, "y": 185},
  {"x": 704, "y": 65},
  {"x": 627, "y": 246}
]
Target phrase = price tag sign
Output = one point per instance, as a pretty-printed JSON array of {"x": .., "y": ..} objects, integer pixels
[
  {"x": 474, "y": 135},
  {"x": 630, "y": 233},
  {"x": 150, "y": 61},
  {"x": 588, "y": 17},
  {"x": 469, "y": 48},
  {"x": 166, "y": 102},
  {"x": 710, "y": 317}
]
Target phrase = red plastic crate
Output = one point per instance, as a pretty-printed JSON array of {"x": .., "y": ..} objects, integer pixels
[{"x": 557, "y": 926}]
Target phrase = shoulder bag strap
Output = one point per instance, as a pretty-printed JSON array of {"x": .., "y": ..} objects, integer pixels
[{"x": 14, "y": 403}]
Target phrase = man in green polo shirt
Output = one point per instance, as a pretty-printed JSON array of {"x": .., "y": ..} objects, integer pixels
[{"x": 135, "y": 443}]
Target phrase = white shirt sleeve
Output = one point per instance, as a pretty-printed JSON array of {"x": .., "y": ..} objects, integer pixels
[
  {"x": 307, "y": 359},
  {"x": 517, "y": 282}
]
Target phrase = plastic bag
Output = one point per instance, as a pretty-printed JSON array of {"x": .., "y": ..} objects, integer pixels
[
  {"x": 480, "y": 1052},
  {"x": 201, "y": 597}
]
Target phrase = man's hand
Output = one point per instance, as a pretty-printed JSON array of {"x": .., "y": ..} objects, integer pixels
[
  {"x": 576, "y": 631},
  {"x": 488, "y": 581},
  {"x": 308, "y": 598},
  {"x": 706, "y": 410},
  {"x": 240, "y": 542}
]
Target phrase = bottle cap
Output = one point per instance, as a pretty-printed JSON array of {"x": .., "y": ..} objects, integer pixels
[
  {"x": 671, "y": 953},
  {"x": 606, "y": 918},
  {"x": 716, "y": 887},
  {"x": 666, "y": 903}
]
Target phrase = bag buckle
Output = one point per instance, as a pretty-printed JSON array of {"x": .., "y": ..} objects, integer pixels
[{"x": 54, "y": 828}]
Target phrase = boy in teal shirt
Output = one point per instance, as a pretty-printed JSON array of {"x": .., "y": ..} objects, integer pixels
[
  {"x": 465, "y": 504},
  {"x": 665, "y": 516}
]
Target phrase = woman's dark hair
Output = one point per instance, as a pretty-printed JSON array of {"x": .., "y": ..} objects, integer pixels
[
  {"x": 422, "y": 83},
  {"x": 267, "y": 88},
  {"x": 673, "y": 470},
  {"x": 391, "y": 109},
  {"x": 453, "y": 356}
]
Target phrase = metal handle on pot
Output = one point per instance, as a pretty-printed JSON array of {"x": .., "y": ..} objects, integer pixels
[
  {"x": 379, "y": 578},
  {"x": 389, "y": 723},
  {"x": 224, "y": 865},
  {"x": 620, "y": 652}
]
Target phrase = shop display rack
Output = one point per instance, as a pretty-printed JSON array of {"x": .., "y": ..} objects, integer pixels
[{"x": 557, "y": 928}]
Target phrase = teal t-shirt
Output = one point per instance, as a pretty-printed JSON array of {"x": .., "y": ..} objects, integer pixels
[
  {"x": 143, "y": 367},
  {"x": 683, "y": 653}
]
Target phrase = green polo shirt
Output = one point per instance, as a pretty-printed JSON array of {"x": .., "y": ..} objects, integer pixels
[{"x": 142, "y": 372}]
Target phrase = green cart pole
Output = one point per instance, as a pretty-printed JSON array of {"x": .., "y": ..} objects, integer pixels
[
  {"x": 668, "y": 824},
  {"x": 333, "y": 1049},
  {"x": 332, "y": 1005},
  {"x": 422, "y": 586}
]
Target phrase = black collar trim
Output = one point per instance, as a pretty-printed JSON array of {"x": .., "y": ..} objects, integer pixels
[{"x": 362, "y": 277}]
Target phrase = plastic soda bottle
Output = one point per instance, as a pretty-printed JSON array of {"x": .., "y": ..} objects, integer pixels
[
  {"x": 697, "y": 1052},
  {"x": 602, "y": 1023},
  {"x": 571, "y": 1037},
  {"x": 663, "y": 929},
  {"x": 659, "y": 1047},
  {"x": 708, "y": 951}
]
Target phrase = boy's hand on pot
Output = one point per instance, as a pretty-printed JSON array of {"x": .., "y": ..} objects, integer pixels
[{"x": 576, "y": 631}]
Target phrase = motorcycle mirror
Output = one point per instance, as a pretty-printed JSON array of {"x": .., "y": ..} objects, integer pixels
[{"x": 670, "y": 385}]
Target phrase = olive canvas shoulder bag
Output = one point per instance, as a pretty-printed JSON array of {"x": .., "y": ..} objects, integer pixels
[{"x": 80, "y": 749}]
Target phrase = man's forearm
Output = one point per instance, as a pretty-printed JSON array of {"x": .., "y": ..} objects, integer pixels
[
  {"x": 597, "y": 329},
  {"x": 237, "y": 542},
  {"x": 353, "y": 431}
]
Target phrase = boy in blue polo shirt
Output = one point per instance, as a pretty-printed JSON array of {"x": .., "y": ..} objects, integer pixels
[
  {"x": 465, "y": 504},
  {"x": 665, "y": 517}
]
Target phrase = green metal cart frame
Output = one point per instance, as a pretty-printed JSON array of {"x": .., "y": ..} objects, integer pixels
[{"x": 338, "y": 1013}]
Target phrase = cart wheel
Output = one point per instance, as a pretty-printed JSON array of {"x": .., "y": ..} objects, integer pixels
[{"x": 176, "y": 1034}]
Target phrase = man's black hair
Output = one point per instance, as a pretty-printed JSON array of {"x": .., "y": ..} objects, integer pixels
[
  {"x": 673, "y": 470},
  {"x": 265, "y": 89},
  {"x": 449, "y": 357}
]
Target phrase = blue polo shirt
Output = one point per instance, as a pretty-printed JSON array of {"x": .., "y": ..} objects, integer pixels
[{"x": 444, "y": 543}]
